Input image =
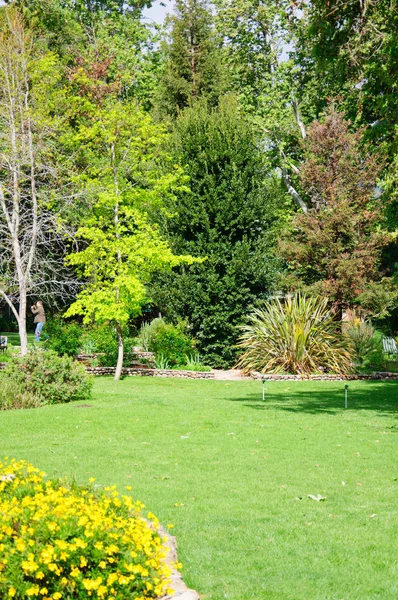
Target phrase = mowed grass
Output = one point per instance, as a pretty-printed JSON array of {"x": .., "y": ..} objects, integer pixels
[
  {"x": 14, "y": 339},
  {"x": 233, "y": 475}
]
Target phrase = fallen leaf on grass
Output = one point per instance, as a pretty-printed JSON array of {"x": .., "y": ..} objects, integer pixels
[{"x": 372, "y": 516}]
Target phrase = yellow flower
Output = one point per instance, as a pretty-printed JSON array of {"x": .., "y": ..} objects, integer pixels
[
  {"x": 11, "y": 592},
  {"x": 83, "y": 562},
  {"x": 57, "y": 596}
]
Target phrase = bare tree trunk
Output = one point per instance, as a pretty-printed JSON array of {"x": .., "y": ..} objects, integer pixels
[
  {"x": 29, "y": 231},
  {"x": 120, "y": 352},
  {"x": 23, "y": 336},
  {"x": 17, "y": 158}
]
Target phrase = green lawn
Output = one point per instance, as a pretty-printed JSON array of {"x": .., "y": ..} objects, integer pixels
[
  {"x": 13, "y": 338},
  {"x": 228, "y": 471}
]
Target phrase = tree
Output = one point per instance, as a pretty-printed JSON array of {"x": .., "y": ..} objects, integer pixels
[
  {"x": 193, "y": 61},
  {"x": 336, "y": 247},
  {"x": 118, "y": 152},
  {"x": 229, "y": 216},
  {"x": 348, "y": 51},
  {"x": 30, "y": 232}
]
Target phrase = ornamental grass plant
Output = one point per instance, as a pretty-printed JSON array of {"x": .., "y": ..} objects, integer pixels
[
  {"x": 61, "y": 541},
  {"x": 299, "y": 335}
]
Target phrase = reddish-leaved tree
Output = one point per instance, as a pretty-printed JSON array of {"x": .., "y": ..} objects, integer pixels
[{"x": 335, "y": 247}]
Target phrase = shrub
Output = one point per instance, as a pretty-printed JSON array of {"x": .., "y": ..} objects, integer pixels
[
  {"x": 300, "y": 335},
  {"x": 49, "y": 377},
  {"x": 363, "y": 341},
  {"x": 170, "y": 341},
  {"x": 63, "y": 337},
  {"x": 6, "y": 356},
  {"x": 13, "y": 396},
  {"x": 102, "y": 339},
  {"x": 66, "y": 541}
]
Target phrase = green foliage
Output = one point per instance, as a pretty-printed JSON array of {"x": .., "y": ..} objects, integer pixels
[
  {"x": 144, "y": 336},
  {"x": 193, "y": 362},
  {"x": 14, "y": 396},
  {"x": 231, "y": 216},
  {"x": 102, "y": 340},
  {"x": 121, "y": 151},
  {"x": 161, "y": 362},
  {"x": 193, "y": 60},
  {"x": 368, "y": 347},
  {"x": 299, "y": 335},
  {"x": 64, "y": 337},
  {"x": 170, "y": 342},
  {"x": 50, "y": 378}
]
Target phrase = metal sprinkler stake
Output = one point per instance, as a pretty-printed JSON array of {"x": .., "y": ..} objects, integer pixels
[
  {"x": 263, "y": 380},
  {"x": 346, "y": 396}
]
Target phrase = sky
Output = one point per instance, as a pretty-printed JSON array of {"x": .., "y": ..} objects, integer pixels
[{"x": 159, "y": 10}]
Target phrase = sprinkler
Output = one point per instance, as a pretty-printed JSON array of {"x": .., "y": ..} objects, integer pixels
[{"x": 346, "y": 396}]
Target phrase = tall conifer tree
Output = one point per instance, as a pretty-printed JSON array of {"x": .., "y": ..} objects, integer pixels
[{"x": 193, "y": 58}]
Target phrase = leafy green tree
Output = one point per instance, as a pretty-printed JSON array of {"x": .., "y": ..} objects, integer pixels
[
  {"x": 229, "y": 216},
  {"x": 118, "y": 150},
  {"x": 252, "y": 34},
  {"x": 193, "y": 60}
]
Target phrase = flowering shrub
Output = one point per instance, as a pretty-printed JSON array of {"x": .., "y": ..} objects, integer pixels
[{"x": 60, "y": 541}]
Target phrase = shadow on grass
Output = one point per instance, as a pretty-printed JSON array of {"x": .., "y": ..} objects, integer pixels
[{"x": 377, "y": 396}]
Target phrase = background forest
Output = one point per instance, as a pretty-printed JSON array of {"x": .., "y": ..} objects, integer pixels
[{"x": 243, "y": 150}]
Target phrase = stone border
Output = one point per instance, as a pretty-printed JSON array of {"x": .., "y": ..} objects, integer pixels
[
  {"x": 181, "y": 591},
  {"x": 137, "y": 371},
  {"x": 327, "y": 377},
  {"x": 181, "y": 374}
]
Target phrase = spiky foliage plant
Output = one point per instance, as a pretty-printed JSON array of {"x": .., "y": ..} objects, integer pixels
[{"x": 297, "y": 335}]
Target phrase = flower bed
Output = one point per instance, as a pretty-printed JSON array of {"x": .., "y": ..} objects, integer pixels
[{"x": 64, "y": 541}]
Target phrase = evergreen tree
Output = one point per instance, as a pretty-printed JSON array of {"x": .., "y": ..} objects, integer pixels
[
  {"x": 229, "y": 217},
  {"x": 193, "y": 60}
]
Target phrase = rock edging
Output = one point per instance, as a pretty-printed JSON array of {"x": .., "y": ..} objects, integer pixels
[
  {"x": 181, "y": 591},
  {"x": 326, "y": 377},
  {"x": 136, "y": 371}
]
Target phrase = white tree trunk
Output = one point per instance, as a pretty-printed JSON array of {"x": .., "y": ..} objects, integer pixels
[
  {"x": 120, "y": 352},
  {"x": 23, "y": 336}
]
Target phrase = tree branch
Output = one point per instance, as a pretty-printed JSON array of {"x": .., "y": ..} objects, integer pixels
[
  {"x": 10, "y": 304},
  {"x": 299, "y": 122},
  {"x": 293, "y": 192}
]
